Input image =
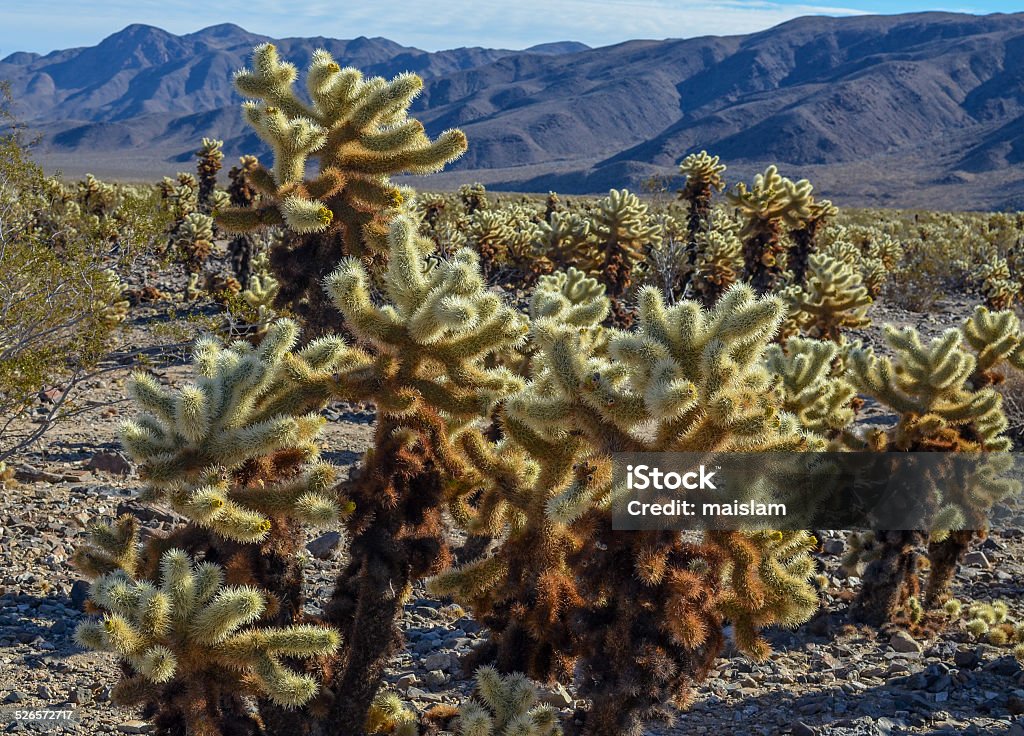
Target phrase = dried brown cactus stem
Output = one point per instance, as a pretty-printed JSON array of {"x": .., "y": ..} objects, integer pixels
[
  {"x": 397, "y": 539},
  {"x": 891, "y": 579}
]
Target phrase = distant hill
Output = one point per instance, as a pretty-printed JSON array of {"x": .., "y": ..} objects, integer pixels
[{"x": 918, "y": 110}]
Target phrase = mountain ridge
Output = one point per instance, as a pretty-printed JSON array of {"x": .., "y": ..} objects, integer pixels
[{"x": 930, "y": 105}]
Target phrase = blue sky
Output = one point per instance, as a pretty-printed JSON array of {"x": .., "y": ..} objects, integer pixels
[{"x": 44, "y": 25}]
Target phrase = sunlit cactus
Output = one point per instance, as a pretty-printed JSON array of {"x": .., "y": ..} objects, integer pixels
[
  {"x": 813, "y": 386},
  {"x": 473, "y": 197},
  {"x": 234, "y": 450},
  {"x": 717, "y": 266},
  {"x": 359, "y": 132},
  {"x": 996, "y": 339},
  {"x": 804, "y": 238},
  {"x": 557, "y": 594},
  {"x": 505, "y": 706},
  {"x": 193, "y": 240},
  {"x": 703, "y": 174},
  {"x": 190, "y": 649},
  {"x": 771, "y": 207},
  {"x": 211, "y": 157},
  {"x": 564, "y": 238},
  {"x": 832, "y": 299},
  {"x": 928, "y": 385}
]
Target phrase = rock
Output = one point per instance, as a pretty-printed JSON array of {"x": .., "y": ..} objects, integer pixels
[
  {"x": 802, "y": 729},
  {"x": 326, "y": 546},
  {"x": 834, "y": 546},
  {"x": 904, "y": 643},
  {"x": 438, "y": 661},
  {"x": 45, "y": 693},
  {"x": 80, "y": 696},
  {"x": 79, "y": 594},
  {"x": 27, "y": 474},
  {"x": 991, "y": 545},
  {"x": 1016, "y": 729},
  {"x": 114, "y": 463},
  {"x": 966, "y": 659},
  {"x": 135, "y": 727},
  {"x": 1004, "y": 667},
  {"x": 977, "y": 559},
  {"x": 436, "y": 678},
  {"x": 407, "y": 681},
  {"x": 15, "y": 697},
  {"x": 555, "y": 695}
]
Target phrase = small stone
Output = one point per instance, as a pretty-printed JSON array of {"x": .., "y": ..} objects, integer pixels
[
  {"x": 904, "y": 643},
  {"x": 802, "y": 729},
  {"x": 438, "y": 661},
  {"x": 834, "y": 546},
  {"x": 114, "y": 463},
  {"x": 135, "y": 727},
  {"x": 436, "y": 678},
  {"x": 80, "y": 696},
  {"x": 556, "y": 696},
  {"x": 326, "y": 546},
  {"x": 966, "y": 658},
  {"x": 14, "y": 697},
  {"x": 45, "y": 693},
  {"x": 407, "y": 681},
  {"x": 977, "y": 559}
]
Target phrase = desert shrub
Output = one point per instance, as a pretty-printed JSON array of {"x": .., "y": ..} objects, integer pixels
[{"x": 60, "y": 300}]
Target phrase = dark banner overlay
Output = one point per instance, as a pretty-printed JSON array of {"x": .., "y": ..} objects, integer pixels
[{"x": 837, "y": 490}]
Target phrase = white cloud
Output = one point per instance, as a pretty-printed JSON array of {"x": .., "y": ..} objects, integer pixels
[{"x": 46, "y": 24}]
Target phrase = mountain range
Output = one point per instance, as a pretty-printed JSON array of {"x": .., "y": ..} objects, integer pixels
[{"x": 922, "y": 110}]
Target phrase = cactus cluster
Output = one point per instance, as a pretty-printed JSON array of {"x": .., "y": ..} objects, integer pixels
[{"x": 501, "y": 412}]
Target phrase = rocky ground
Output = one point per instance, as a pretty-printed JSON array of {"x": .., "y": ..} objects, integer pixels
[{"x": 827, "y": 677}]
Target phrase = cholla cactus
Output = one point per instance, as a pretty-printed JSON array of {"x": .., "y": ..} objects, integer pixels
[
  {"x": 181, "y": 195},
  {"x": 881, "y": 259},
  {"x": 360, "y": 133},
  {"x": 111, "y": 293},
  {"x": 423, "y": 367},
  {"x": 622, "y": 230},
  {"x": 389, "y": 716},
  {"x": 804, "y": 238},
  {"x": 489, "y": 233},
  {"x": 564, "y": 238},
  {"x": 505, "y": 706},
  {"x": 474, "y": 197},
  {"x": 996, "y": 338},
  {"x": 96, "y": 197},
  {"x": 928, "y": 386},
  {"x": 189, "y": 649},
  {"x": 718, "y": 264},
  {"x": 210, "y": 157},
  {"x": 232, "y": 451},
  {"x": 552, "y": 204},
  {"x": 1001, "y": 290},
  {"x": 241, "y": 193},
  {"x": 814, "y": 389},
  {"x": 559, "y": 589},
  {"x": 703, "y": 174},
  {"x": 774, "y": 204},
  {"x": 193, "y": 239},
  {"x": 833, "y": 299}
]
